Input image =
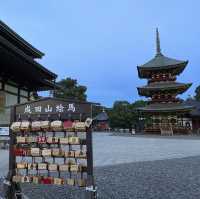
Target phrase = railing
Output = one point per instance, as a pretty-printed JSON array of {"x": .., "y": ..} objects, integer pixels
[
  {"x": 160, "y": 79},
  {"x": 164, "y": 100},
  {"x": 177, "y": 129}
]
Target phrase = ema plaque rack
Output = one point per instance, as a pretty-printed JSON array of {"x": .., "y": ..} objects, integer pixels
[{"x": 51, "y": 143}]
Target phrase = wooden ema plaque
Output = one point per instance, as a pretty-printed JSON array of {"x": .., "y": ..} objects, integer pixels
[{"x": 51, "y": 143}]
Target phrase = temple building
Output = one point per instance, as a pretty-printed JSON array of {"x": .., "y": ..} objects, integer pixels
[
  {"x": 194, "y": 114},
  {"x": 101, "y": 121},
  {"x": 164, "y": 107},
  {"x": 20, "y": 73}
]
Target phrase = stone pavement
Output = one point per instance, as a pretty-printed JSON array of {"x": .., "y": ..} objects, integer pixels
[{"x": 112, "y": 150}]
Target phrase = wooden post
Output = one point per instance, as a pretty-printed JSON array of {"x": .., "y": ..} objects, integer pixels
[
  {"x": 90, "y": 194},
  {"x": 18, "y": 95},
  {"x": 29, "y": 95}
]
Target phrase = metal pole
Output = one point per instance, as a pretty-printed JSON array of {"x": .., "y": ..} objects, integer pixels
[{"x": 11, "y": 191}]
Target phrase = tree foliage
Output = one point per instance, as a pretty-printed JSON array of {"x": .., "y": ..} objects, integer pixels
[
  {"x": 125, "y": 115},
  {"x": 70, "y": 89}
]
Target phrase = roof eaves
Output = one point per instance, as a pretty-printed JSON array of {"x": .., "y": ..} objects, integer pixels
[
  {"x": 9, "y": 45},
  {"x": 18, "y": 38}
]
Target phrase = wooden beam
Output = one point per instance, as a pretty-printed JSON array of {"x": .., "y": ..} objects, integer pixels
[
  {"x": 3, "y": 85},
  {"x": 18, "y": 95},
  {"x": 29, "y": 95}
]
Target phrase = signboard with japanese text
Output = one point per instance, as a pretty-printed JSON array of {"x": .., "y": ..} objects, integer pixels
[{"x": 54, "y": 106}]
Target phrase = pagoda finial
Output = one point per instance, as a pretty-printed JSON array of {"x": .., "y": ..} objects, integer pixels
[{"x": 158, "y": 50}]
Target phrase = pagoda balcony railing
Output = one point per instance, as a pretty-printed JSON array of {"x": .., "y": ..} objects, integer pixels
[
  {"x": 163, "y": 100},
  {"x": 161, "y": 79},
  {"x": 174, "y": 126}
]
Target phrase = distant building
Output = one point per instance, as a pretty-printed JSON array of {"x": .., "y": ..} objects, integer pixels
[
  {"x": 194, "y": 114},
  {"x": 20, "y": 73},
  {"x": 101, "y": 121},
  {"x": 164, "y": 108}
]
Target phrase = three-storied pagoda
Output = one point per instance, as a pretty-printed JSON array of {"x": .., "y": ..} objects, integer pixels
[{"x": 164, "y": 107}]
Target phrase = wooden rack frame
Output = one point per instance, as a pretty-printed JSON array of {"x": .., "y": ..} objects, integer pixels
[{"x": 55, "y": 109}]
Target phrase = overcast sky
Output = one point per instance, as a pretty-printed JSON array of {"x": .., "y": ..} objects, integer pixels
[{"x": 100, "y": 42}]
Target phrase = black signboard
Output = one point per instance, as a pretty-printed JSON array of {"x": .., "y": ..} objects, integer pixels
[
  {"x": 33, "y": 147},
  {"x": 54, "y": 107}
]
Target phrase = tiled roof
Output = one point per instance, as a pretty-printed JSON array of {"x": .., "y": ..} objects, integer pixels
[
  {"x": 166, "y": 107},
  {"x": 161, "y": 61},
  {"x": 103, "y": 116},
  {"x": 162, "y": 86},
  {"x": 196, "y": 105}
]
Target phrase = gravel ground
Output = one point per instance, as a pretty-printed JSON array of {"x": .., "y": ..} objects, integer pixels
[
  {"x": 134, "y": 168},
  {"x": 4, "y": 156},
  {"x": 162, "y": 179}
]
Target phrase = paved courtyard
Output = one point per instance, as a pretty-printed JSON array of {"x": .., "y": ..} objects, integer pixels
[
  {"x": 135, "y": 168},
  {"x": 111, "y": 150}
]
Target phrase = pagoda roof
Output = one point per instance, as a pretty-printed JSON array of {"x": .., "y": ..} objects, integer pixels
[
  {"x": 161, "y": 62},
  {"x": 166, "y": 107},
  {"x": 18, "y": 41},
  {"x": 151, "y": 88}
]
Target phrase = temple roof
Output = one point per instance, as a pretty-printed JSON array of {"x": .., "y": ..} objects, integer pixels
[
  {"x": 18, "y": 41},
  {"x": 18, "y": 66},
  {"x": 151, "y": 88},
  {"x": 166, "y": 107},
  {"x": 161, "y": 62},
  {"x": 196, "y": 104},
  {"x": 103, "y": 116}
]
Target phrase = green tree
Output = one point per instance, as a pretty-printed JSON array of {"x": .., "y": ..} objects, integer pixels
[
  {"x": 139, "y": 103},
  {"x": 125, "y": 115},
  {"x": 121, "y": 115},
  {"x": 197, "y": 93},
  {"x": 70, "y": 89}
]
